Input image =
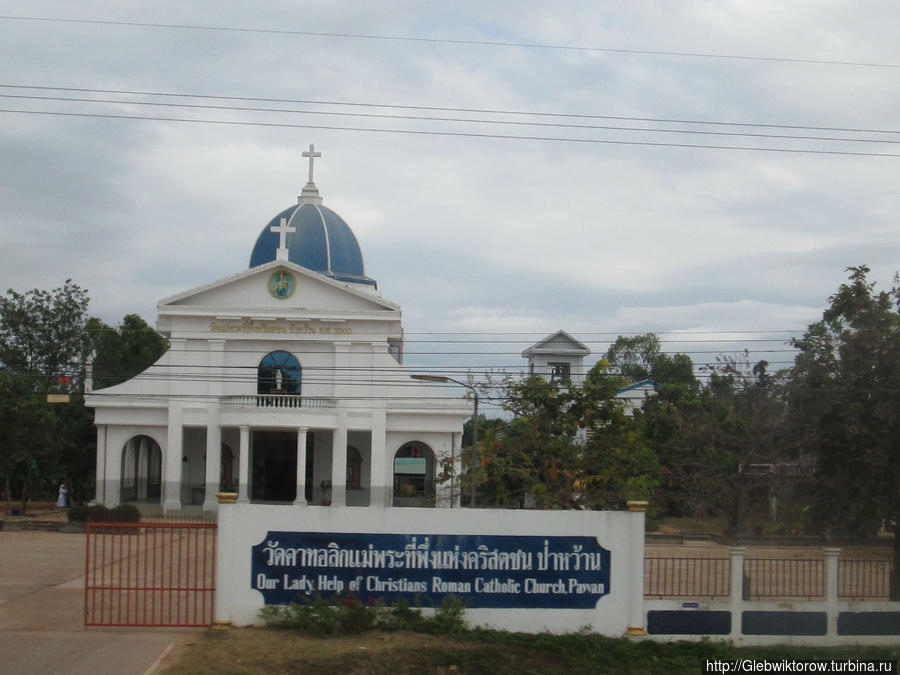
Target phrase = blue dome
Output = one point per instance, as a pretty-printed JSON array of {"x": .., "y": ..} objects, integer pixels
[{"x": 322, "y": 242}]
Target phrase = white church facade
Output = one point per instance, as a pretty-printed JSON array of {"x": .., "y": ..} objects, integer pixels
[{"x": 283, "y": 383}]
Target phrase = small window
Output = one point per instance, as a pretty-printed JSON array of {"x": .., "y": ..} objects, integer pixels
[{"x": 559, "y": 371}]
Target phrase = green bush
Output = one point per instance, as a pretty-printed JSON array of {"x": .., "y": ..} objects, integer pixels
[
  {"x": 344, "y": 615},
  {"x": 315, "y": 616},
  {"x": 97, "y": 513},
  {"x": 124, "y": 513},
  {"x": 448, "y": 617},
  {"x": 353, "y": 616},
  {"x": 77, "y": 514},
  {"x": 399, "y": 616}
]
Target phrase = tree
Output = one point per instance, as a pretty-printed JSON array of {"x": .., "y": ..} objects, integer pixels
[
  {"x": 718, "y": 444},
  {"x": 633, "y": 356},
  {"x": 844, "y": 398},
  {"x": 121, "y": 353},
  {"x": 566, "y": 447},
  {"x": 25, "y": 422},
  {"x": 42, "y": 333},
  {"x": 43, "y": 344},
  {"x": 532, "y": 461},
  {"x": 617, "y": 463},
  {"x": 674, "y": 375},
  {"x": 639, "y": 358}
]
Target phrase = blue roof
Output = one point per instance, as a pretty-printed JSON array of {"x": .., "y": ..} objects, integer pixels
[
  {"x": 638, "y": 385},
  {"x": 322, "y": 242}
]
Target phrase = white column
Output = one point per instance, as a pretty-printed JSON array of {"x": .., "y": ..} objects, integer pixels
[
  {"x": 100, "y": 493},
  {"x": 113, "y": 470},
  {"x": 300, "y": 497},
  {"x": 244, "y": 465},
  {"x": 380, "y": 485},
  {"x": 637, "y": 512},
  {"x": 174, "y": 451},
  {"x": 213, "y": 457},
  {"x": 339, "y": 462}
]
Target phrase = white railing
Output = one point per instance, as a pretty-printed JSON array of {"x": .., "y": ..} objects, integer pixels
[{"x": 286, "y": 401}]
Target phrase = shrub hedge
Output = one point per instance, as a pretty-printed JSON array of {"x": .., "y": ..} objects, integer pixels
[{"x": 123, "y": 513}]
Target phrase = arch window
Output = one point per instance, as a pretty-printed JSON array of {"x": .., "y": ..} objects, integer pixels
[
  {"x": 414, "y": 475},
  {"x": 279, "y": 372}
]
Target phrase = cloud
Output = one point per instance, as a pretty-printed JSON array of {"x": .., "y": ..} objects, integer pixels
[{"x": 467, "y": 233}]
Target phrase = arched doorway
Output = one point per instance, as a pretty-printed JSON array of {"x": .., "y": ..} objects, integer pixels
[
  {"x": 141, "y": 470},
  {"x": 414, "y": 475}
]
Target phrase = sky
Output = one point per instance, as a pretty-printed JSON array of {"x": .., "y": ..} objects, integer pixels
[{"x": 599, "y": 216}]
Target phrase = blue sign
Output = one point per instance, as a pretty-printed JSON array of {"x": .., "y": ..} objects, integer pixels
[{"x": 486, "y": 571}]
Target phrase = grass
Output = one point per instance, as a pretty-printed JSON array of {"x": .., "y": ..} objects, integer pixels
[{"x": 247, "y": 651}]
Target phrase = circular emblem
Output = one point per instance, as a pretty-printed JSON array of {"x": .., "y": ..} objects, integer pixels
[{"x": 282, "y": 285}]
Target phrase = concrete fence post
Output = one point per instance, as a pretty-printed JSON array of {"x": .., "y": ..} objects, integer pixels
[
  {"x": 832, "y": 557},
  {"x": 738, "y": 592},
  {"x": 831, "y": 573},
  {"x": 636, "y": 626},
  {"x": 223, "y": 573},
  {"x": 737, "y": 589}
]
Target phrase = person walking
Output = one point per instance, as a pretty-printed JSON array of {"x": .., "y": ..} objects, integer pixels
[{"x": 63, "y": 501}]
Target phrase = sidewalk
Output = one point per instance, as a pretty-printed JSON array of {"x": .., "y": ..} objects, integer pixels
[{"x": 42, "y": 614}]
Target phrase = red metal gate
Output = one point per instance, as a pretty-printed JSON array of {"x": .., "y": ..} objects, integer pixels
[{"x": 150, "y": 574}]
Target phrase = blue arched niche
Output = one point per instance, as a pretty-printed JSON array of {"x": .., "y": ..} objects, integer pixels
[{"x": 279, "y": 372}]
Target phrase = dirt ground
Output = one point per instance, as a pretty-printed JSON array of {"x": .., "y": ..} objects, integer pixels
[{"x": 42, "y": 614}]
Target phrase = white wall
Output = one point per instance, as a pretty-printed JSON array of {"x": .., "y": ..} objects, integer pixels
[{"x": 243, "y": 526}]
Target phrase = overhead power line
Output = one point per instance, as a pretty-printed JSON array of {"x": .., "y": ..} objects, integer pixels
[
  {"x": 451, "y": 41},
  {"x": 469, "y": 120},
  {"x": 543, "y": 333},
  {"x": 455, "y": 134},
  {"x": 480, "y": 111}
]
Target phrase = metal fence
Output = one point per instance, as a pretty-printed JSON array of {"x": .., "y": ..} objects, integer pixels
[
  {"x": 687, "y": 577},
  {"x": 783, "y": 578},
  {"x": 150, "y": 574},
  {"x": 860, "y": 579},
  {"x": 695, "y": 577}
]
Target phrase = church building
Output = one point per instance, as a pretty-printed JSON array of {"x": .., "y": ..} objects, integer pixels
[{"x": 283, "y": 383}]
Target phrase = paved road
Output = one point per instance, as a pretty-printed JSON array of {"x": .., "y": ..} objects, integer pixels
[{"x": 42, "y": 614}]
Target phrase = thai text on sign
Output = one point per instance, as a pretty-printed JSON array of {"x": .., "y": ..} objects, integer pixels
[{"x": 487, "y": 571}]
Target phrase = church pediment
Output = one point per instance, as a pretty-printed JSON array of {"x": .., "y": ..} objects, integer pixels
[
  {"x": 278, "y": 287},
  {"x": 558, "y": 343}
]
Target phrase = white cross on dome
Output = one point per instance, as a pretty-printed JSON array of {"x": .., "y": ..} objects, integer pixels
[
  {"x": 282, "y": 230},
  {"x": 312, "y": 154}
]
